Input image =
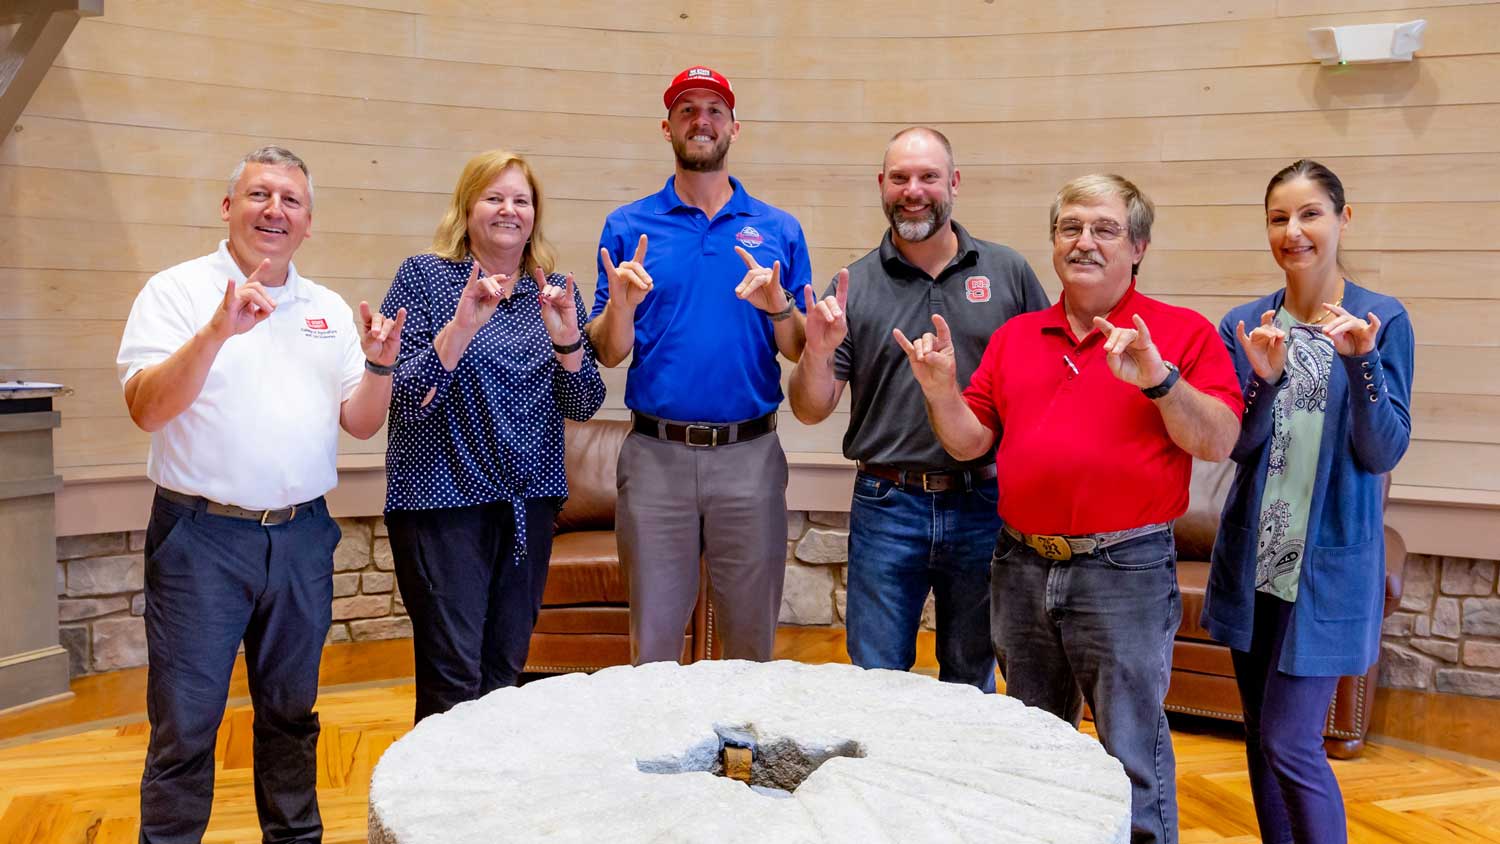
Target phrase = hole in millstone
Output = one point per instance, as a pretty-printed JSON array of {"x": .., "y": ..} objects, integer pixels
[{"x": 778, "y": 764}]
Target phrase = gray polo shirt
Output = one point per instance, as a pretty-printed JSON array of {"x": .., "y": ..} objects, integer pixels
[{"x": 984, "y": 285}]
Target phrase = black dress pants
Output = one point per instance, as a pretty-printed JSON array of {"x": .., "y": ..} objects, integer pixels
[{"x": 473, "y": 599}]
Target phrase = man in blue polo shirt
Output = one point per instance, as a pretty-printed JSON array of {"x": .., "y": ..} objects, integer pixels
[{"x": 702, "y": 318}]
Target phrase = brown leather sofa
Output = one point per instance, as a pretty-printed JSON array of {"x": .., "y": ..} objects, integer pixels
[
  {"x": 585, "y": 620},
  {"x": 1202, "y": 672}
]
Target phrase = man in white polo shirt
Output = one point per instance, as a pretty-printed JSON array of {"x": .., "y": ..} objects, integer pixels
[{"x": 244, "y": 371}]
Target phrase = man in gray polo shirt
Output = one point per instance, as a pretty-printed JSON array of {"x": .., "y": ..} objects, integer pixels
[{"x": 920, "y": 521}]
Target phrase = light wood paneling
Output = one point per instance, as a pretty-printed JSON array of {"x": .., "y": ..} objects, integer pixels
[{"x": 116, "y": 170}]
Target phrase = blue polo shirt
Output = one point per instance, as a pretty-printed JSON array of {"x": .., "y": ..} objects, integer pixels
[{"x": 701, "y": 354}]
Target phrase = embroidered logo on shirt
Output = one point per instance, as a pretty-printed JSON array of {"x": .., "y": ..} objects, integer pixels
[
  {"x": 317, "y": 327},
  {"x": 977, "y": 288},
  {"x": 749, "y": 237}
]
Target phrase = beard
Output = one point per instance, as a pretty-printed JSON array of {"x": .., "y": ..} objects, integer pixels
[
  {"x": 918, "y": 229},
  {"x": 708, "y": 162}
]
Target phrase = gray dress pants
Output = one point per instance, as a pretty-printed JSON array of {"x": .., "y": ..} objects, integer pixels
[{"x": 726, "y": 503}]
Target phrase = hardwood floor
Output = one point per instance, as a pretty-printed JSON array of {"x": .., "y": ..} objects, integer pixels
[{"x": 82, "y": 787}]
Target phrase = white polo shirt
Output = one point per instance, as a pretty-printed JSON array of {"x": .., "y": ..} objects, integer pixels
[{"x": 264, "y": 431}]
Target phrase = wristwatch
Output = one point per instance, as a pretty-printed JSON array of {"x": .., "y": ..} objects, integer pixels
[
  {"x": 1165, "y": 386},
  {"x": 786, "y": 313}
]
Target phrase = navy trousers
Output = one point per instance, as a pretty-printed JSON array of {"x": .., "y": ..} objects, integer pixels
[
  {"x": 472, "y": 602},
  {"x": 1297, "y": 797},
  {"x": 212, "y": 582}
]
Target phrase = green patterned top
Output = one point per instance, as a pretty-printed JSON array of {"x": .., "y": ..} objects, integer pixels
[{"x": 1295, "y": 441}]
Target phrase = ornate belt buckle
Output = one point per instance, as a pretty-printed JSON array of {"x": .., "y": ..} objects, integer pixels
[{"x": 1052, "y": 547}]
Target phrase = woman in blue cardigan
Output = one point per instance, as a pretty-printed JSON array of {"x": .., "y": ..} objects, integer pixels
[{"x": 1297, "y": 583}]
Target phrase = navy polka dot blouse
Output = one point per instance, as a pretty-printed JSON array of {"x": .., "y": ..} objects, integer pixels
[{"x": 494, "y": 429}]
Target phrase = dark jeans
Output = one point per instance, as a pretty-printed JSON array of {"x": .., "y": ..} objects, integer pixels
[
  {"x": 472, "y": 603},
  {"x": 1099, "y": 628},
  {"x": 1297, "y": 797},
  {"x": 212, "y": 581},
  {"x": 903, "y": 545}
]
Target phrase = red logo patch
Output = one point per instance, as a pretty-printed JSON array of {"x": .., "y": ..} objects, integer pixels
[
  {"x": 749, "y": 237},
  {"x": 977, "y": 288},
  {"x": 318, "y": 324}
]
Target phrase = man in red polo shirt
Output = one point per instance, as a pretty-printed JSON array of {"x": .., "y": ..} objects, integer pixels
[{"x": 1099, "y": 402}]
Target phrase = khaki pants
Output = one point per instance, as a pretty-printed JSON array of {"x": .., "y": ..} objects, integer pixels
[{"x": 726, "y": 503}]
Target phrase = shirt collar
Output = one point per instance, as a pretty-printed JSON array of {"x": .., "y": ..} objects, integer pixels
[
  {"x": 668, "y": 201},
  {"x": 896, "y": 263},
  {"x": 1056, "y": 319},
  {"x": 226, "y": 268}
]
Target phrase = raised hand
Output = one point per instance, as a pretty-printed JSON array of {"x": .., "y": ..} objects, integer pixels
[
  {"x": 380, "y": 337},
  {"x": 931, "y": 358},
  {"x": 559, "y": 311},
  {"x": 1351, "y": 335},
  {"x": 761, "y": 287},
  {"x": 827, "y": 325},
  {"x": 1265, "y": 347},
  {"x": 244, "y": 307},
  {"x": 629, "y": 282},
  {"x": 1131, "y": 355},
  {"x": 479, "y": 299}
]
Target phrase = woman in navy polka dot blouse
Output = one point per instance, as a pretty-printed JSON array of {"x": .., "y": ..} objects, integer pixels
[{"x": 493, "y": 357}]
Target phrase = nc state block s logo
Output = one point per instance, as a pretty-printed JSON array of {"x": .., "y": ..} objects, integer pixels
[{"x": 977, "y": 288}]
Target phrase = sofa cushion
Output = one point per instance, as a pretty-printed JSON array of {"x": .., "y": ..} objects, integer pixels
[
  {"x": 1192, "y": 579},
  {"x": 585, "y": 570},
  {"x": 593, "y": 449}
]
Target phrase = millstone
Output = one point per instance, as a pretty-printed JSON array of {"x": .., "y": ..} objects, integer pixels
[{"x": 636, "y": 755}]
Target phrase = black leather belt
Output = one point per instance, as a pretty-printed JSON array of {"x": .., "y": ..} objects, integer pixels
[
  {"x": 703, "y": 435},
  {"x": 269, "y": 518},
  {"x": 941, "y": 480}
]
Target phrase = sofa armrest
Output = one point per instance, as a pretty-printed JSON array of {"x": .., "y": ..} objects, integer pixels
[{"x": 1395, "y": 569}]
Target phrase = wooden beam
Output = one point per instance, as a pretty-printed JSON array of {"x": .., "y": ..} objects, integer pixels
[{"x": 45, "y": 27}]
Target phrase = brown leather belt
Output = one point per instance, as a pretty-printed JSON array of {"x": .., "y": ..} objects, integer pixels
[
  {"x": 939, "y": 480},
  {"x": 268, "y": 518},
  {"x": 702, "y": 435}
]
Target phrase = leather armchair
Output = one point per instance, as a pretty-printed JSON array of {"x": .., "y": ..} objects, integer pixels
[
  {"x": 1202, "y": 671},
  {"x": 584, "y": 624}
]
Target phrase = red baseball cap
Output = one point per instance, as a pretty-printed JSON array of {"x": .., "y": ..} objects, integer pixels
[{"x": 698, "y": 76}]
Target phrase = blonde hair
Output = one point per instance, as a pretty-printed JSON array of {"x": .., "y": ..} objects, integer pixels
[
  {"x": 451, "y": 240},
  {"x": 1140, "y": 212}
]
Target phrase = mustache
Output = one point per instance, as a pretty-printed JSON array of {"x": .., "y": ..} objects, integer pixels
[{"x": 1092, "y": 255}]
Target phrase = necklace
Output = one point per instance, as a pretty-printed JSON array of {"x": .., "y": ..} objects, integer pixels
[{"x": 1327, "y": 312}]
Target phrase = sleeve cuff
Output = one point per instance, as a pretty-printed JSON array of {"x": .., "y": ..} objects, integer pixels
[{"x": 1366, "y": 377}]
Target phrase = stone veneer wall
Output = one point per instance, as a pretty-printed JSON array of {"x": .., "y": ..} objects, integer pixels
[
  {"x": 100, "y": 578},
  {"x": 1446, "y": 635}
]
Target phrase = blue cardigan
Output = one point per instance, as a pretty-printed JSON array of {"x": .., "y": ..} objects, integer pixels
[{"x": 1335, "y": 624}]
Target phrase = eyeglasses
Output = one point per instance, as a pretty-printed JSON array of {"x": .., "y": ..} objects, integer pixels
[{"x": 1104, "y": 231}]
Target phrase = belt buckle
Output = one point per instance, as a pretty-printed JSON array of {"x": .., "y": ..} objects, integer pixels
[
  {"x": 925, "y": 486},
  {"x": 1051, "y": 547},
  {"x": 713, "y": 436},
  {"x": 266, "y": 515}
]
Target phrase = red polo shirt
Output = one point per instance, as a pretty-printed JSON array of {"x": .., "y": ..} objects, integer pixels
[{"x": 1086, "y": 453}]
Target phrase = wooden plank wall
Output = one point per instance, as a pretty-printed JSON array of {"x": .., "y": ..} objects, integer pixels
[{"x": 117, "y": 166}]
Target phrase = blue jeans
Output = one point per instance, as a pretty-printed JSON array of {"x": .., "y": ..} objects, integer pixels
[
  {"x": 1297, "y": 798},
  {"x": 903, "y": 545},
  {"x": 212, "y": 581},
  {"x": 1099, "y": 628}
]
